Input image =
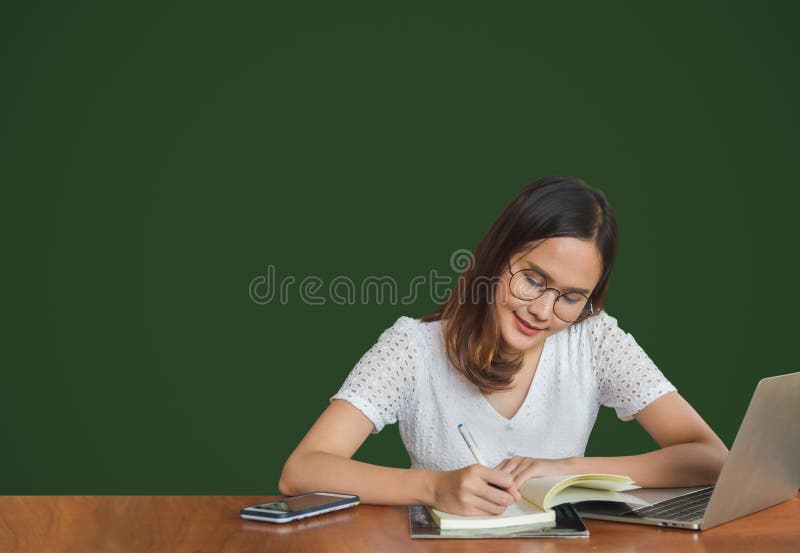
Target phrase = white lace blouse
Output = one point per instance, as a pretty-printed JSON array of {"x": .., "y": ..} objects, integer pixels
[{"x": 407, "y": 377}]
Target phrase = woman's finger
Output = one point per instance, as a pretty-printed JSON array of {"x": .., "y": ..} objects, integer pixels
[
  {"x": 512, "y": 464},
  {"x": 521, "y": 466},
  {"x": 483, "y": 506},
  {"x": 496, "y": 495},
  {"x": 500, "y": 479},
  {"x": 523, "y": 476}
]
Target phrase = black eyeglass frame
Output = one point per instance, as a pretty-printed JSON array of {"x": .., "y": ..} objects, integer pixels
[{"x": 581, "y": 317}]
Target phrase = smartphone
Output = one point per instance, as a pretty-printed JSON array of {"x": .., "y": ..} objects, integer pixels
[{"x": 299, "y": 506}]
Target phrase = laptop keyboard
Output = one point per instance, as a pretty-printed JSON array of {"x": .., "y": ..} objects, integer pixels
[{"x": 684, "y": 508}]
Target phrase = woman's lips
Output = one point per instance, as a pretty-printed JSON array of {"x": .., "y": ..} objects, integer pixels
[{"x": 525, "y": 328}]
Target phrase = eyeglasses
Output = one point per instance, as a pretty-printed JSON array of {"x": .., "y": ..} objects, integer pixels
[{"x": 528, "y": 285}]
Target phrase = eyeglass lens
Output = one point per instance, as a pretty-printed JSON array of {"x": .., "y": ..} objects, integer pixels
[{"x": 529, "y": 285}]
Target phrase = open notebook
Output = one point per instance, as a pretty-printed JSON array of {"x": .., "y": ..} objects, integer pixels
[{"x": 539, "y": 495}]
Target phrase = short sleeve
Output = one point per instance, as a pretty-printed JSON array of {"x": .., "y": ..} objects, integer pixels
[
  {"x": 628, "y": 379},
  {"x": 383, "y": 379}
]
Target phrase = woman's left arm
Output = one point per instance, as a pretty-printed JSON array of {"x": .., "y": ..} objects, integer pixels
[{"x": 691, "y": 454}]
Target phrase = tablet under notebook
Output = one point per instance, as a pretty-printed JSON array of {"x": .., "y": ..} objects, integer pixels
[{"x": 568, "y": 525}]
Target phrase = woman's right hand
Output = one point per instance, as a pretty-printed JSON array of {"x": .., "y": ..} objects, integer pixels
[{"x": 474, "y": 490}]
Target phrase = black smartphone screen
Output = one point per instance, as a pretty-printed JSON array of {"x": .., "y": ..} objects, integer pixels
[{"x": 291, "y": 504}]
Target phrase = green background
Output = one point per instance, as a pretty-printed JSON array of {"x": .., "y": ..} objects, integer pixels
[{"x": 156, "y": 158}]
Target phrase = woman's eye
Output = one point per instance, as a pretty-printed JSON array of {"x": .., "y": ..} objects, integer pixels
[
  {"x": 534, "y": 282},
  {"x": 572, "y": 300}
]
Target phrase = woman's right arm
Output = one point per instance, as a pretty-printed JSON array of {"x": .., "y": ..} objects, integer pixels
[{"x": 322, "y": 462}]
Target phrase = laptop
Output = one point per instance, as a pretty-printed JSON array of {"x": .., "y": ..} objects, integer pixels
[{"x": 762, "y": 470}]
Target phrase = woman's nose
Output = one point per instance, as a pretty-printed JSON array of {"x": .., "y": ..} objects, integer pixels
[{"x": 542, "y": 307}]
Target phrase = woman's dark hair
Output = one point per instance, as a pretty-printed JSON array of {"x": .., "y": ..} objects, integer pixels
[{"x": 548, "y": 208}]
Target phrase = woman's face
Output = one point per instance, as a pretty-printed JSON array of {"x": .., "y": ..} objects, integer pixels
[{"x": 568, "y": 264}]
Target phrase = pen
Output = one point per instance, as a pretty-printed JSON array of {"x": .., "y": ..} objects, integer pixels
[
  {"x": 476, "y": 452},
  {"x": 472, "y": 444}
]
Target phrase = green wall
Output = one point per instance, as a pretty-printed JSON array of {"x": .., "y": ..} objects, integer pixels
[{"x": 157, "y": 158}]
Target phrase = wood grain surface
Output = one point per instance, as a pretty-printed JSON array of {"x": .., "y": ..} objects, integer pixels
[{"x": 154, "y": 524}]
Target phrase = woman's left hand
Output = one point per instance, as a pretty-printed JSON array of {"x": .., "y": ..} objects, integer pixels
[{"x": 525, "y": 468}]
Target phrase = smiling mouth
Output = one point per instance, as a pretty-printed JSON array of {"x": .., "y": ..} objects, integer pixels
[{"x": 526, "y": 324}]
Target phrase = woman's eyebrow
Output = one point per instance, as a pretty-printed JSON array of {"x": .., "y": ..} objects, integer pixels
[{"x": 538, "y": 269}]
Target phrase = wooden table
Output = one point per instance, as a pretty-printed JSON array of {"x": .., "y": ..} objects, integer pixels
[{"x": 152, "y": 524}]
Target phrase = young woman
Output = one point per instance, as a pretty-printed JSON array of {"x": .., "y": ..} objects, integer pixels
[{"x": 523, "y": 354}]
